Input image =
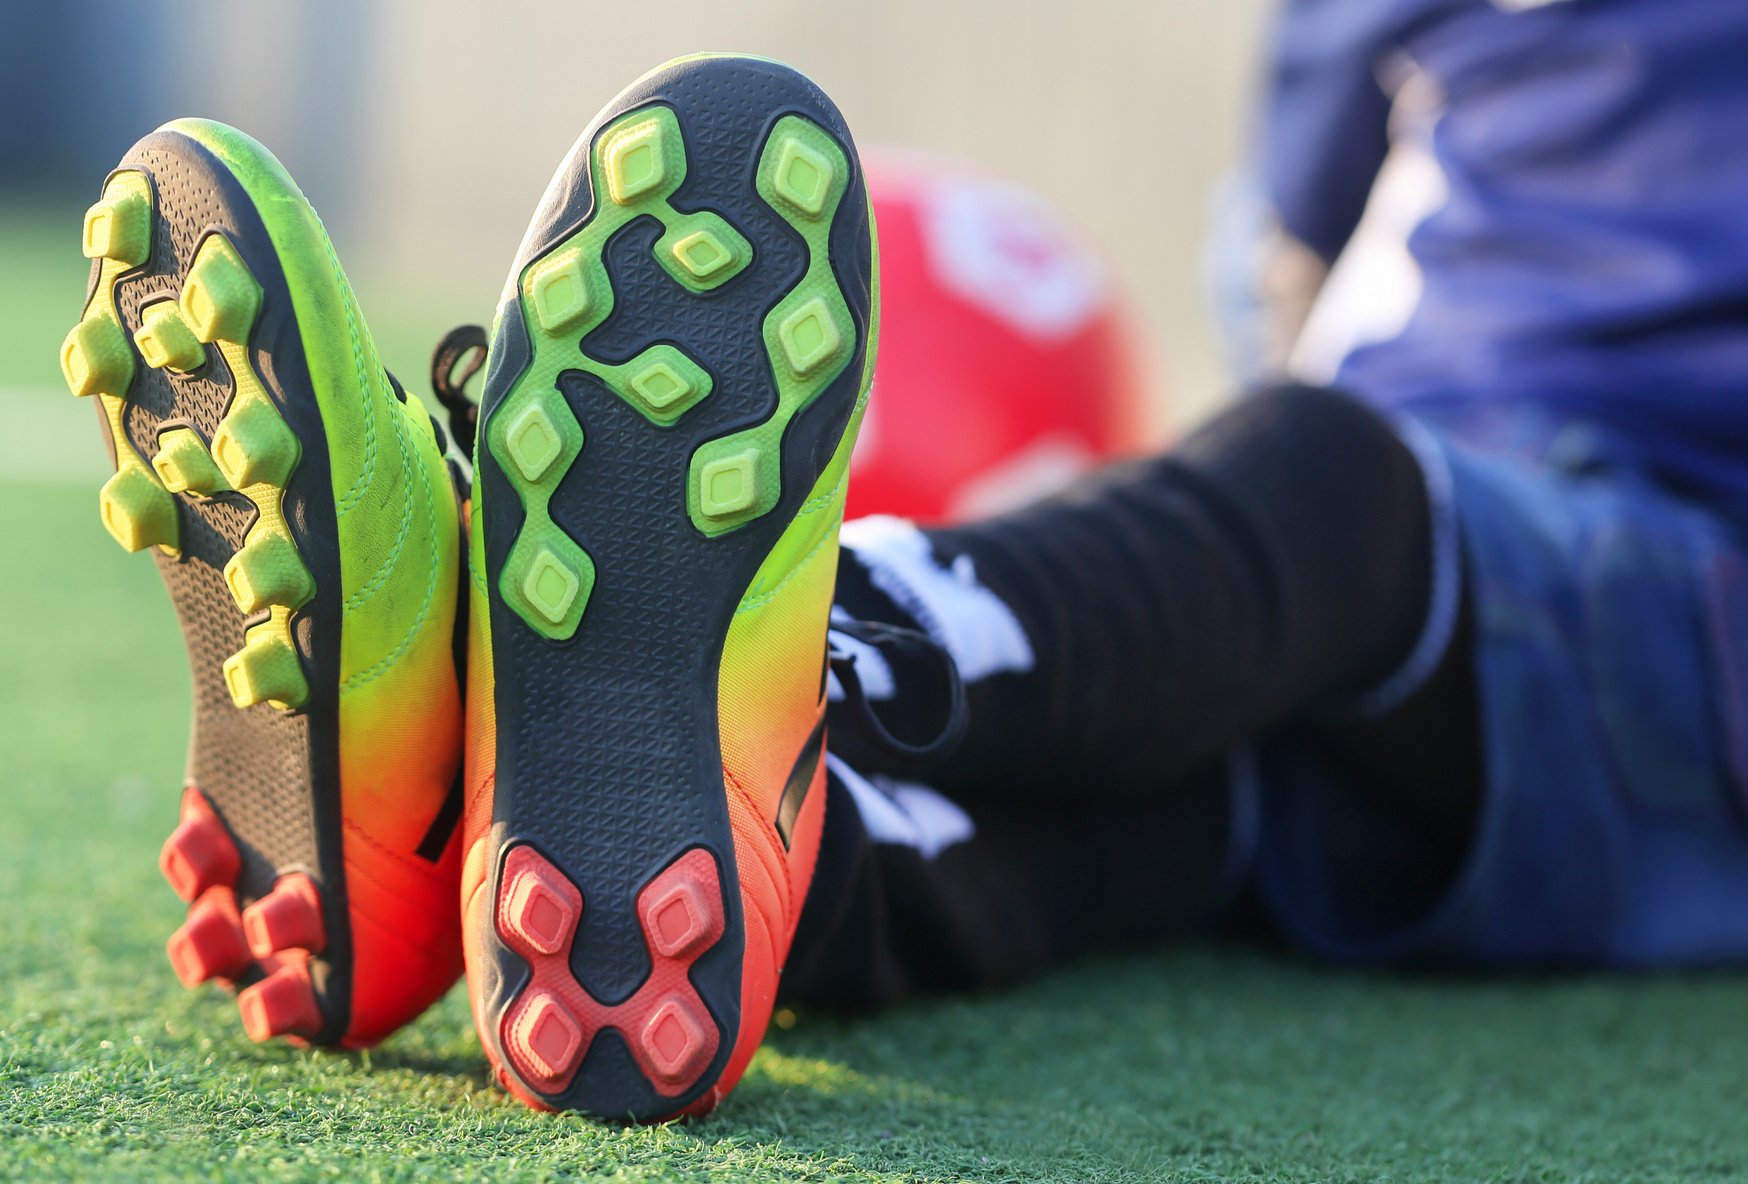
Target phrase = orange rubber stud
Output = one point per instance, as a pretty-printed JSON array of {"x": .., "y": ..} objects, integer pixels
[
  {"x": 287, "y": 918},
  {"x": 548, "y": 1037},
  {"x": 673, "y": 1041},
  {"x": 282, "y": 1004},
  {"x": 199, "y": 854},
  {"x": 675, "y": 916},
  {"x": 547, "y": 1030},
  {"x": 210, "y": 942},
  {"x": 541, "y": 908}
]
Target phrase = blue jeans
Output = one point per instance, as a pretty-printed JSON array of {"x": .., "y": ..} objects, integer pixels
[{"x": 1611, "y": 660}]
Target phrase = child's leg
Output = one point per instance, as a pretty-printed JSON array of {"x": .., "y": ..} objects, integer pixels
[
  {"x": 1134, "y": 629},
  {"x": 914, "y": 892},
  {"x": 1608, "y": 623},
  {"x": 1116, "y": 643}
]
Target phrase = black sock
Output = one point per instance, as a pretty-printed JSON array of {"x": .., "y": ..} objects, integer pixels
[
  {"x": 1420, "y": 760},
  {"x": 1030, "y": 886},
  {"x": 1278, "y": 560}
]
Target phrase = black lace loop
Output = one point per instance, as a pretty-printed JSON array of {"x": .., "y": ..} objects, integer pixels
[
  {"x": 463, "y": 346},
  {"x": 867, "y": 720}
]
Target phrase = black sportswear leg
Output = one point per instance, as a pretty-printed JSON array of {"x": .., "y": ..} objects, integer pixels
[
  {"x": 1421, "y": 760},
  {"x": 1034, "y": 885},
  {"x": 1252, "y": 582},
  {"x": 1279, "y": 559}
]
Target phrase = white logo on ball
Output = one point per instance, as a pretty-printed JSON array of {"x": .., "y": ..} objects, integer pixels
[{"x": 1002, "y": 249}]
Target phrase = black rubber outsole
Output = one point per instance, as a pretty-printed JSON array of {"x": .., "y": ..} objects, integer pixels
[{"x": 608, "y": 760}]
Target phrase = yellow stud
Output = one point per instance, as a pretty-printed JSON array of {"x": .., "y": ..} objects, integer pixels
[
  {"x": 184, "y": 465},
  {"x": 119, "y": 228},
  {"x": 220, "y": 297},
  {"x": 95, "y": 358},
  {"x": 268, "y": 571},
  {"x": 164, "y": 339},
  {"x": 137, "y": 511},
  {"x": 266, "y": 670},
  {"x": 254, "y": 445}
]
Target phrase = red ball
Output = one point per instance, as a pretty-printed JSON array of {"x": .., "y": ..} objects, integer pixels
[{"x": 1008, "y": 365}]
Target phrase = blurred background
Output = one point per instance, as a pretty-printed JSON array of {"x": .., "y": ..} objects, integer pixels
[{"x": 424, "y": 130}]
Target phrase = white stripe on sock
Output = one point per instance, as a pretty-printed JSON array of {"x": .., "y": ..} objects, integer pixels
[
  {"x": 958, "y": 613},
  {"x": 872, "y": 668},
  {"x": 904, "y": 814}
]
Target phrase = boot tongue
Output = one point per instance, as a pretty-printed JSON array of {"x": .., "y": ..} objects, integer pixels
[{"x": 922, "y": 714}]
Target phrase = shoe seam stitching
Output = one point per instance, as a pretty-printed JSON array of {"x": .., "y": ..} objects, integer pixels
[
  {"x": 757, "y": 602},
  {"x": 382, "y": 666},
  {"x": 362, "y": 482},
  {"x": 386, "y": 569}
]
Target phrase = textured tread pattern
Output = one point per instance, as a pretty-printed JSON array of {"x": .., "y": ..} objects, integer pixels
[
  {"x": 190, "y": 346},
  {"x": 253, "y": 451},
  {"x": 640, "y": 161},
  {"x": 551, "y": 1023},
  {"x": 809, "y": 335},
  {"x": 270, "y": 942}
]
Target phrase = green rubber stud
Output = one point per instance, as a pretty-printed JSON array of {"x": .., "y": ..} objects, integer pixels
[
  {"x": 729, "y": 485},
  {"x": 561, "y": 291},
  {"x": 803, "y": 177},
  {"x": 635, "y": 161},
  {"x": 810, "y": 338},
  {"x": 533, "y": 441},
  {"x": 550, "y": 585}
]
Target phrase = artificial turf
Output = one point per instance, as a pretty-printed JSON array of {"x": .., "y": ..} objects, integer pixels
[
  {"x": 1189, "y": 1063},
  {"x": 1194, "y": 1063}
]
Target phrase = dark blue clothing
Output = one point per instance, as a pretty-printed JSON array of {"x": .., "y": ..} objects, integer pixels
[
  {"x": 1611, "y": 660},
  {"x": 1592, "y": 256}
]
